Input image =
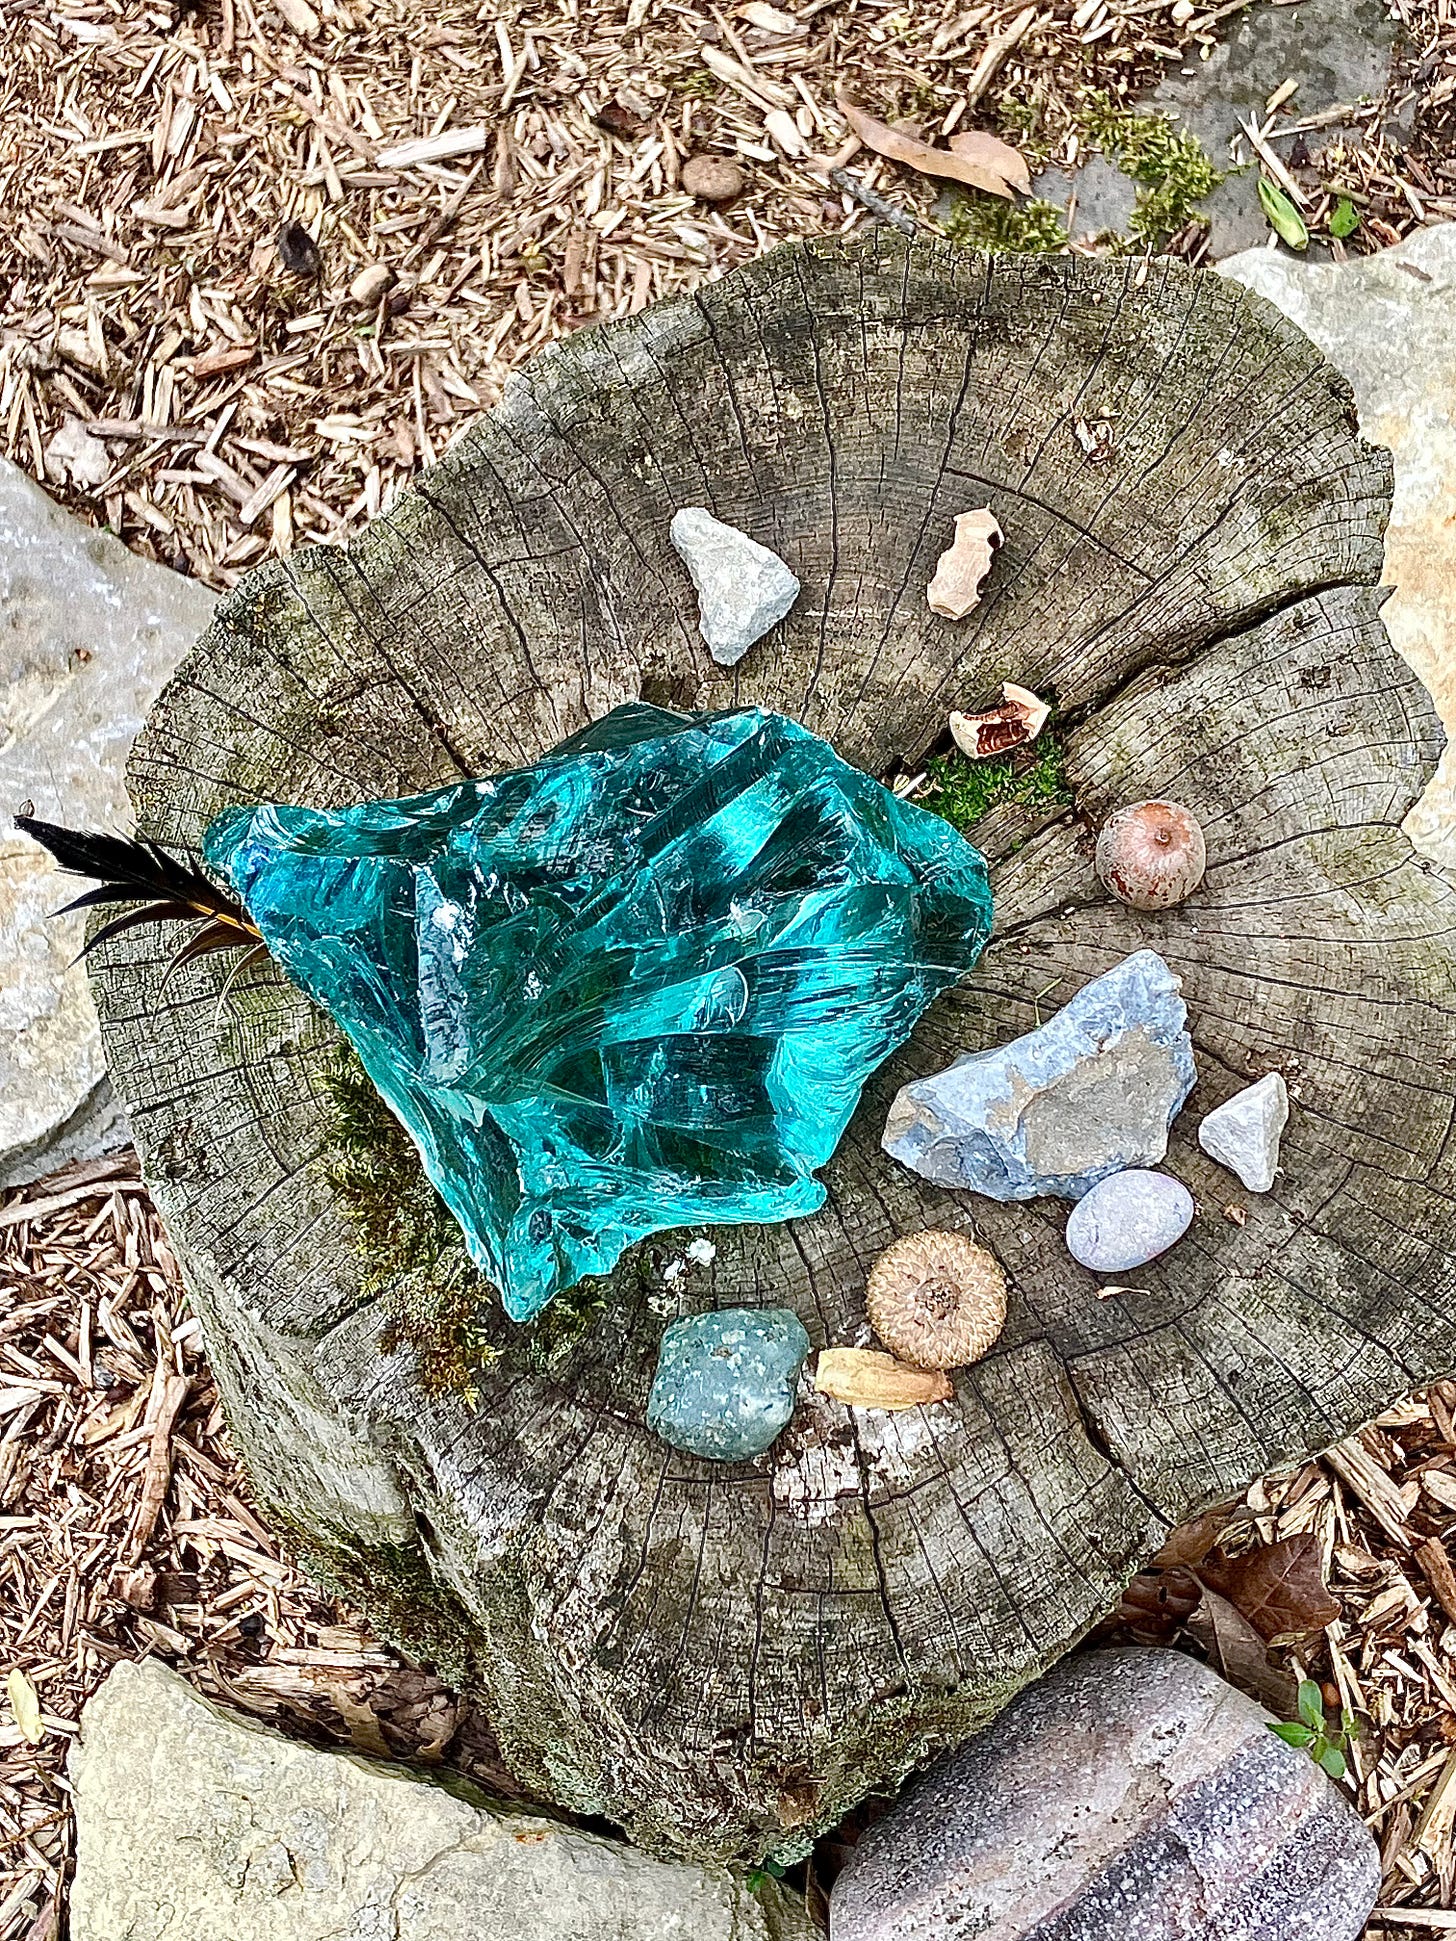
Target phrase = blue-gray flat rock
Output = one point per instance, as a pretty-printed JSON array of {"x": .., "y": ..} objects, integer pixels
[
  {"x": 1128, "y": 1220},
  {"x": 1091, "y": 1092},
  {"x": 1129, "y": 1796}
]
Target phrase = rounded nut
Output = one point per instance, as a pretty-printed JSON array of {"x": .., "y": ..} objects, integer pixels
[
  {"x": 711, "y": 178},
  {"x": 1151, "y": 855},
  {"x": 370, "y": 285},
  {"x": 937, "y": 1300}
]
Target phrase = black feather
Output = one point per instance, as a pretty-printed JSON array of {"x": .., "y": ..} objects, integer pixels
[{"x": 170, "y": 889}]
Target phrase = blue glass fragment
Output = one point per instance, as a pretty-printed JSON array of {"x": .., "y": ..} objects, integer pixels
[{"x": 638, "y": 984}]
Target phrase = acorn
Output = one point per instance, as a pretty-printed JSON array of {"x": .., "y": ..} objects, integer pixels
[
  {"x": 937, "y": 1300},
  {"x": 711, "y": 178},
  {"x": 1151, "y": 855}
]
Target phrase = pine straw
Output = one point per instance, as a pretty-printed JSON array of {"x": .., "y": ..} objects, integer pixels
[
  {"x": 127, "y": 1531},
  {"x": 214, "y": 407}
]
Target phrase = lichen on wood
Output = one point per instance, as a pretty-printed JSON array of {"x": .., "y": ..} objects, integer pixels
[{"x": 723, "y": 1658}]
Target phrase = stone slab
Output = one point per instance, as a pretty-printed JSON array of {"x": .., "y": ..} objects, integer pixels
[
  {"x": 1128, "y": 1796},
  {"x": 1388, "y": 322},
  {"x": 193, "y": 1824},
  {"x": 89, "y": 634}
]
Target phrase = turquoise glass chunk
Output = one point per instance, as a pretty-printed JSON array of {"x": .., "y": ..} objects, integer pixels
[
  {"x": 637, "y": 984},
  {"x": 724, "y": 1386}
]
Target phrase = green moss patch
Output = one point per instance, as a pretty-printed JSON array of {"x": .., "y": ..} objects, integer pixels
[
  {"x": 964, "y": 791},
  {"x": 410, "y": 1246},
  {"x": 986, "y": 222},
  {"x": 1170, "y": 166},
  {"x": 414, "y": 1259},
  {"x": 1172, "y": 170}
]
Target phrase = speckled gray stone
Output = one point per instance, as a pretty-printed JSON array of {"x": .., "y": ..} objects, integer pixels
[
  {"x": 1092, "y": 1091},
  {"x": 743, "y": 589},
  {"x": 1129, "y": 1796},
  {"x": 1244, "y": 1132},
  {"x": 724, "y": 1386},
  {"x": 1128, "y": 1220}
]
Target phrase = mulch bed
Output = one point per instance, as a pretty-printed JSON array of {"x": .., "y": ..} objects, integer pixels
[
  {"x": 127, "y": 1530},
  {"x": 258, "y": 264}
]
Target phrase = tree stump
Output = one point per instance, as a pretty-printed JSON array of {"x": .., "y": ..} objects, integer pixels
[{"x": 722, "y": 1659}]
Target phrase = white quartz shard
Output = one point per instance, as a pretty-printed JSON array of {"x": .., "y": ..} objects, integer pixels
[
  {"x": 1244, "y": 1132},
  {"x": 743, "y": 589}
]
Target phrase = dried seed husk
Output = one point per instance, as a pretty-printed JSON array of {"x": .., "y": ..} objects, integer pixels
[
  {"x": 863, "y": 1378},
  {"x": 1020, "y": 718},
  {"x": 959, "y": 572}
]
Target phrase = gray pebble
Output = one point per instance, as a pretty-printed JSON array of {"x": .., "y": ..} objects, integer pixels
[
  {"x": 743, "y": 589},
  {"x": 1244, "y": 1132},
  {"x": 1128, "y": 1220}
]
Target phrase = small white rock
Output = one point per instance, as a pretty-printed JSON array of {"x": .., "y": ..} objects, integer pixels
[
  {"x": 702, "y": 1253},
  {"x": 1128, "y": 1220},
  {"x": 74, "y": 456},
  {"x": 1244, "y": 1132},
  {"x": 743, "y": 589}
]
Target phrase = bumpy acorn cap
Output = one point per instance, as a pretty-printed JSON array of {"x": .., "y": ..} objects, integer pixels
[{"x": 937, "y": 1300}]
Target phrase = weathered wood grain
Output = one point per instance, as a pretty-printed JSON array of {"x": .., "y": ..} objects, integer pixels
[{"x": 723, "y": 1658}]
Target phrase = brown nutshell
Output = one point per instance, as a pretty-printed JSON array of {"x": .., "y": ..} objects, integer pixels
[
  {"x": 1151, "y": 855},
  {"x": 937, "y": 1300},
  {"x": 711, "y": 178}
]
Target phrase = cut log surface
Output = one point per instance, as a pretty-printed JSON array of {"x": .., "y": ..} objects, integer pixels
[{"x": 723, "y": 1658}]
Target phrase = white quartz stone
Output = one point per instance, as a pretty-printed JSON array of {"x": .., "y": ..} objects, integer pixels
[
  {"x": 743, "y": 589},
  {"x": 1244, "y": 1132}
]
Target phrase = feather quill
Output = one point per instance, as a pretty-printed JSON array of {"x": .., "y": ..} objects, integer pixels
[{"x": 168, "y": 888}]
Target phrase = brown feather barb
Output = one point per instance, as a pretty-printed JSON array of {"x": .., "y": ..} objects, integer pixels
[{"x": 169, "y": 889}]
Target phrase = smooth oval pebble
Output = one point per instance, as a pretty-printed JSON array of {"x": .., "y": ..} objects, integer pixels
[{"x": 1128, "y": 1220}]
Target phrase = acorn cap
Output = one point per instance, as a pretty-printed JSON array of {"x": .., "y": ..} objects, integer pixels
[{"x": 937, "y": 1300}]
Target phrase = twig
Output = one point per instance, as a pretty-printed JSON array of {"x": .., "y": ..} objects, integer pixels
[
  {"x": 169, "y": 1392},
  {"x": 868, "y": 199}
]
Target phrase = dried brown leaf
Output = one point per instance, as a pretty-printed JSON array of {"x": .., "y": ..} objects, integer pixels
[
  {"x": 365, "y": 1732},
  {"x": 986, "y": 151},
  {"x": 919, "y": 155},
  {"x": 1191, "y": 1542},
  {"x": 1280, "y": 1587},
  {"x": 25, "y": 1704},
  {"x": 1242, "y": 1656}
]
